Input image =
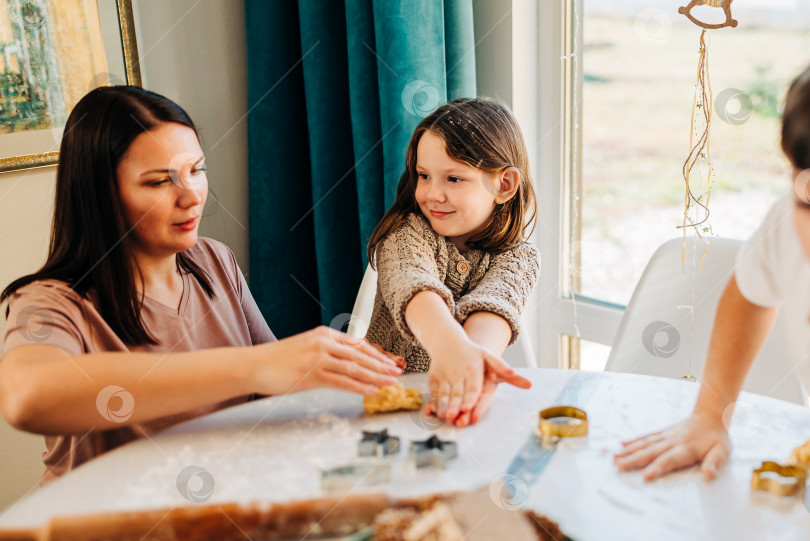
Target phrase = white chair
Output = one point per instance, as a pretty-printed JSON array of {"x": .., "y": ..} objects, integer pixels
[
  {"x": 656, "y": 335},
  {"x": 519, "y": 355}
]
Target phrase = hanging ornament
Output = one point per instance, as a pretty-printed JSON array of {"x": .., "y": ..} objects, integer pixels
[
  {"x": 699, "y": 150},
  {"x": 725, "y": 5},
  {"x": 701, "y": 110}
]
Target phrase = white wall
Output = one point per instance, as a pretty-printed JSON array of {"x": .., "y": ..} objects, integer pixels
[
  {"x": 26, "y": 201},
  {"x": 493, "y": 48},
  {"x": 194, "y": 52}
]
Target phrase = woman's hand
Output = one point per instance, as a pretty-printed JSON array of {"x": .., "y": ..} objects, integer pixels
[
  {"x": 699, "y": 439},
  {"x": 463, "y": 378},
  {"x": 323, "y": 357}
]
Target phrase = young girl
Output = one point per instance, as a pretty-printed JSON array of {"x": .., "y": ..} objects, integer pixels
[
  {"x": 773, "y": 271},
  {"x": 454, "y": 268},
  {"x": 134, "y": 323}
]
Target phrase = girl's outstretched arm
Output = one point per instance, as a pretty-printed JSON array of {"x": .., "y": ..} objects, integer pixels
[
  {"x": 740, "y": 329},
  {"x": 423, "y": 312},
  {"x": 458, "y": 365},
  {"x": 489, "y": 330},
  {"x": 491, "y": 313},
  {"x": 494, "y": 333}
]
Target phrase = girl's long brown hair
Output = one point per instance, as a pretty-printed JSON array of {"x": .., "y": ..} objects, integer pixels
[
  {"x": 89, "y": 248},
  {"x": 483, "y": 133}
]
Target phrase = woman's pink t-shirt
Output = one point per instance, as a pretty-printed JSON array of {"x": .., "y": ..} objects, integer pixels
[{"x": 49, "y": 312}]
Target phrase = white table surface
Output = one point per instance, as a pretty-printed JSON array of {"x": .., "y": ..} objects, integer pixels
[{"x": 273, "y": 450}]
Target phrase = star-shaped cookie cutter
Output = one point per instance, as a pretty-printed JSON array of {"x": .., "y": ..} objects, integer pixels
[
  {"x": 378, "y": 444},
  {"x": 433, "y": 452}
]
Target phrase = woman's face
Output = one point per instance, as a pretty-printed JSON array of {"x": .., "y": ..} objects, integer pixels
[{"x": 163, "y": 187}]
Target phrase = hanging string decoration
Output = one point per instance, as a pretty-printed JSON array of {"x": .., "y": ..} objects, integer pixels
[
  {"x": 696, "y": 208},
  {"x": 696, "y": 205}
]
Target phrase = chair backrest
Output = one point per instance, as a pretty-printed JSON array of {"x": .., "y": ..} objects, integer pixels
[
  {"x": 657, "y": 336},
  {"x": 519, "y": 355},
  {"x": 363, "y": 304}
]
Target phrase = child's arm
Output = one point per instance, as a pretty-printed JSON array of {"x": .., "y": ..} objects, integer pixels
[
  {"x": 457, "y": 363},
  {"x": 491, "y": 316},
  {"x": 494, "y": 333},
  {"x": 422, "y": 308},
  {"x": 489, "y": 330},
  {"x": 502, "y": 292},
  {"x": 740, "y": 329},
  {"x": 410, "y": 283}
]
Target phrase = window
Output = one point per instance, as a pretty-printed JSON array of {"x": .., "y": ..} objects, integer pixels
[
  {"x": 639, "y": 68},
  {"x": 592, "y": 356},
  {"x": 611, "y": 130}
]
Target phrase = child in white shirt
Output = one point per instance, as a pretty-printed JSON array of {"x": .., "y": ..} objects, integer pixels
[{"x": 772, "y": 274}]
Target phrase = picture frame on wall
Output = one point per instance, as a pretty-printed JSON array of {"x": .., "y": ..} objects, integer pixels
[{"x": 52, "y": 52}]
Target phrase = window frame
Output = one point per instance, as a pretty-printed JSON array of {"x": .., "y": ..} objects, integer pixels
[{"x": 547, "y": 81}]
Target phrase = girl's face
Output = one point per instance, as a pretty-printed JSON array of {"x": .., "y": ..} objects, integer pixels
[
  {"x": 456, "y": 199},
  {"x": 163, "y": 188}
]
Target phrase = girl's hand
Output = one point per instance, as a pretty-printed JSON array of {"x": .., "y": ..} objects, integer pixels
[
  {"x": 472, "y": 416},
  {"x": 463, "y": 378},
  {"x": 400, "y": 362},
  {"x": 322, "y": 357},
  {"x": 491, "y": 381},
  {"x": 699, "y": 439}
]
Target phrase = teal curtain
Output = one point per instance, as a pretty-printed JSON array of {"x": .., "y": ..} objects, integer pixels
[{"x": 335, "y": 90}]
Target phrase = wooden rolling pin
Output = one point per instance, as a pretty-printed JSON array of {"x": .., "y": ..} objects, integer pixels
[{"x": 259, "y": 521}]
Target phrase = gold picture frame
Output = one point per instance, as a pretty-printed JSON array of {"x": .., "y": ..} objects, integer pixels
[{"x": 111, "y": 42}]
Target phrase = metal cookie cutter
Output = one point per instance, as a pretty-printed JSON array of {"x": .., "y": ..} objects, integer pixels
[
  {"x": 353, "y": 475},
  {"x": 433, "y": 452},
  {"x": 797, "y": 476},
  {"x": 378, "y": 444},
  {"x": 562, "y": 422}
]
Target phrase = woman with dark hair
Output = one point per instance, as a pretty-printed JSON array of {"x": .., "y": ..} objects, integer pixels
[{"x": 134, "y": 323}]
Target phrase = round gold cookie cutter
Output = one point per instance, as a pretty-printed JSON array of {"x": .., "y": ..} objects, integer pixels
[
  {"x": 551, "y": 431},
  {"x": 794, "y": 472}
]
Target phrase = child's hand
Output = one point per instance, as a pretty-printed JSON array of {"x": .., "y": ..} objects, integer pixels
[
  {"x": 491, "y": 381},
  {"x": 456, "y": 377},
  {"x": 400, "y": 362},
  {"x": 463, "y": 377},
  {"x": 699, "y": 439}
]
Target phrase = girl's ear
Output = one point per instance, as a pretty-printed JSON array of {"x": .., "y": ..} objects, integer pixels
[{"x": 506, "y": 184}]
